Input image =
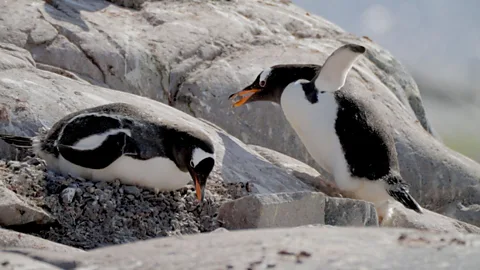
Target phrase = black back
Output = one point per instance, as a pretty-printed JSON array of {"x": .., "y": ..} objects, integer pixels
[
  {"x": 101, "y": 157},
  {"x": 368, "y": 146},
  {"x": 150, "y": 136}
]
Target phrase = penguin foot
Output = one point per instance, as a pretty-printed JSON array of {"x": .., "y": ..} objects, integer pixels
[{"x": 384, "y": 212}]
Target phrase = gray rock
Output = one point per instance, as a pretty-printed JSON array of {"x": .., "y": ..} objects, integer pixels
[
  {"x": 406, "y": 218},
  {"x": 133, "y": 190},
  {"x": 15, "y": 211},
  {"x": 293, "y": 248},
  {"x": 273, "y": 210},
  {"x": 9, "y": 260},
  {"x": 348, "y": 212},
  {"x": 43, "y": 90},
  {"x": 300, "y": 170},
  {"x": 239, "y": 169},
  {"x": 220, "y": 230},
  {"x": 11, "y": 239},
  {"x": 295, "y": 209},
  {"x": 193, "y": 55},
  {"x": 68, "y": 194}
]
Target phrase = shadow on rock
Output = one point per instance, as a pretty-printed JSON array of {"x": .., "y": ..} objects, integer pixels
[{"x": 69, "y": 11}]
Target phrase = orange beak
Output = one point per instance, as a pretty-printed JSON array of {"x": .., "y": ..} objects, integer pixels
[
  {"x": 198, "y": 189},
  {"x": 245, "y": 94}
]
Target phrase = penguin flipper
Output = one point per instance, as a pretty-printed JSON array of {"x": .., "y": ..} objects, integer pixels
[
  {"x": 17, "y": 141},
  {"x": 101, "y": 157}
]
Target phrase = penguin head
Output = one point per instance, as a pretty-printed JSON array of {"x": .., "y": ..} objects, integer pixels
[
  {"x": 200, "y": 165},
  {"x": 270, "y": 83},
  {"x": 197, "y": 157}
]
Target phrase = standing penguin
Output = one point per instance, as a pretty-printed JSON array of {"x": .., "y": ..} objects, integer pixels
[
  {"x": 344, "y": 134},
  {"x": 119, "y": 141}
]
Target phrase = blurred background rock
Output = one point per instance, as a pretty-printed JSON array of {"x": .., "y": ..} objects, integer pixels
[{"x": 438, "y": 41}]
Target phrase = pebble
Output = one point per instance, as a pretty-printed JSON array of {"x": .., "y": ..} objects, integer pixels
[
  {"x": 94, "y": 214},
  {"x": 68, "y": 194},
  {"x": 133, "y": 190},
  {"x": 15, "y": 165}
]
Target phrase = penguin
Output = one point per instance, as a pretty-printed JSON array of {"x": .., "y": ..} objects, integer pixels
[
  {"x": 345, "y": 135},
  {"x": 120, "y": 141}
]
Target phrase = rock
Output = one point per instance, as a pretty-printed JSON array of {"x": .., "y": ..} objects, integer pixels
[
  {"x": 300, "y": 170},
  {"x": 133, "y": 190},
  {"x": 40, "y": 93},
  {"x": 295, "y": 209},
  {"x": 15, "y": 211},
  {"x": 11, "y": 260},
  {"x": 30, "y": 99},
  {"x": 220, "y": 230},
  {"x": 136, "y": 4},
  {"x": 348, "y": 212},
  {"x": 11, "y": 239},
  {"x": 193, "y": 55},
  {"x": 68, "y": 194},
  {"x": 273, "y": 210},
  {"x": 405, "y": 218},
  {"x": 289, "y": 248}
]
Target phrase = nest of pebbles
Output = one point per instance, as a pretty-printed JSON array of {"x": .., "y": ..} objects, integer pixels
[{"x": 92, "y": 214}]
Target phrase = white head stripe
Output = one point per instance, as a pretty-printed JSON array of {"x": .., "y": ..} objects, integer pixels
[
  {"x": 265, "y": 73},
  {"x": 198, "y": 155},
  {"x": 301, "y": 81}
]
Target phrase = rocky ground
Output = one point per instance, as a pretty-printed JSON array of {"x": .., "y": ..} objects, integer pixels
[
  {"x": 180, "y": 60},
  {"x": 93, "y": 214}
]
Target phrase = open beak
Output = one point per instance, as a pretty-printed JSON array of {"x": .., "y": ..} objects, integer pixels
[
  {"x": 198, "y": 188},
  {"x": 245, "y": 94}
]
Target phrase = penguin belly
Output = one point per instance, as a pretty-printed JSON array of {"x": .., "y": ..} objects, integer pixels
[
  {"x": 315, "y": 126},
  {"x": 158, "y": 172}
]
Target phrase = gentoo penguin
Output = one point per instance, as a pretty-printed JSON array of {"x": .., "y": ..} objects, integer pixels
[
  {"x": 120, "y": 141},
  {"x": 344, "y": 134}
]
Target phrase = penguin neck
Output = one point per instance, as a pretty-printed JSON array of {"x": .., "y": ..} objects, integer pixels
[{"x": 285, "y": 75}]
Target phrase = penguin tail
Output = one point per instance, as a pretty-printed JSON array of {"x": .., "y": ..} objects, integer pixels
[
  {"x": 406, "y": 199},
  {"x": 398, "y": 190},
  {"x": 17, "y": 141}
]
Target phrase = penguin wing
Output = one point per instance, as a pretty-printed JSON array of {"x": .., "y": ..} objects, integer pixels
[
  {"x": 334, "y": 71},
  {"x": 113, "y": 147},
  {"x": 367, "y": 144},
  {"x": 17, "y": 141}
]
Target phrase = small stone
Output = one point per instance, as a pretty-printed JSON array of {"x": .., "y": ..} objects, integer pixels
[
  {"x": 14, "y": 165},
  {"x": 133, "y": 190},
  {"x": 68, "y": 195},
  {"x": 219, "y": 230},
  {"x": 130, "y": 197},
  {"x": 101, "y": 184}
]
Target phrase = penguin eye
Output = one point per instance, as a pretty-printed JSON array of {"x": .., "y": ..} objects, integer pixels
[
  {"x": 262, "y": 83},
  {"x": 191, "y": 164}
]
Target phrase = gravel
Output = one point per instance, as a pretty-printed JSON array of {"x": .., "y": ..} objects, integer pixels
[{"x": 94, "y": 214}]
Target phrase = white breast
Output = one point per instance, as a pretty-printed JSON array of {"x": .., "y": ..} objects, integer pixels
[
  {"x": 160, "y": 173},
  {"x": 315, "y": 126}
]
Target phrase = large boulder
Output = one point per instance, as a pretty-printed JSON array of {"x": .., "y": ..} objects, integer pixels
[
  {"x": 192, "y": 55},
  {"x": 299, "y": 248},
  {"x": 32, "y": 98}
]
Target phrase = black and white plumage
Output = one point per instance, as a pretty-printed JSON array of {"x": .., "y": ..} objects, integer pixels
[
  {"x": 343, "y": 133},
  {"x": 120, "y": 141}
]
